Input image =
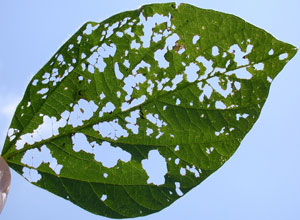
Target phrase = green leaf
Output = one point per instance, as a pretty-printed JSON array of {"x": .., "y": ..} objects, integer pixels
[{"x": 167, "y": 88}]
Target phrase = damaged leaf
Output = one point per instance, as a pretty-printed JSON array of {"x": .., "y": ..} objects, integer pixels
[{"x": 133, "y": 112}]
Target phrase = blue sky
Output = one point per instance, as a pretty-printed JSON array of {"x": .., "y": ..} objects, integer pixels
[{"x": 261, "y": 180}]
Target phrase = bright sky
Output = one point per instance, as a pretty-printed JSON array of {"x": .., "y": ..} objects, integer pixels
[{"x": 261, "y": 180}]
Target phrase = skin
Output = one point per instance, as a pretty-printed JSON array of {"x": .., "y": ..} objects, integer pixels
[{"x": 5, "y": 179}]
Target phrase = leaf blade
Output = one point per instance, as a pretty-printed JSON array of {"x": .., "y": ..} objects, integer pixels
[{"x": 196, "y": 127}]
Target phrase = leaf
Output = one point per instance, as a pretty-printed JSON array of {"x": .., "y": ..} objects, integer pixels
[
  {"x": 165, "y": 89},
  {"x": 5, "y": 178}
]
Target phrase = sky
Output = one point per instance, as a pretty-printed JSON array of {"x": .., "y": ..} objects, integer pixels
[{"x": 260, "y": 181}]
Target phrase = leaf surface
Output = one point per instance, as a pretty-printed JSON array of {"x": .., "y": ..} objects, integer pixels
[{"x": 165, "y": 89}]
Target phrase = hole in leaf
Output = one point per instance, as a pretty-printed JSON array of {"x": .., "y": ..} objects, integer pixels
[
  {"x": 156, "y": 167},
  {"x": 178, "y": 191},
  {"x": 191, "y": 72},
  {"x": 215, "y": 51},
  {"x": 283, "y": 56},
  {"x": 103, "y": 197},
  {"x": 31, "y": 175},
  {"x": 34, "y": 158},
  {"x": 109, "y": 155},
  {"x": 195, "y": 39},
  {"x": 271, "y": 52}
]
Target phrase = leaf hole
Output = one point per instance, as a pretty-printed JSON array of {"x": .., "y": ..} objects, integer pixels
[
  {"x": 215, "y": 51},
  {"x": 109, "y": 155},
  {"x": 178, "y": 190},
  {"x": 155, "y": 167},
  {"x": 283, "y": 56},
  {"x": 271, "y": 52},
  {"x": 103, "y": 197},
  {"x": 195, "y": 39},
  {"x": 182, "y": 171},
  {"x": 31, "y": 175}
]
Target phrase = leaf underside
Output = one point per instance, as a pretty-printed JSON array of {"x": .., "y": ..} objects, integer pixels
[{"x": 180, "y": 82}]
